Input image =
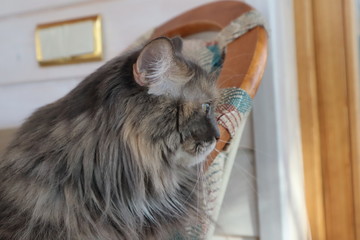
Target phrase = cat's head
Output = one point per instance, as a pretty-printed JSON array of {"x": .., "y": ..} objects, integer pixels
[{"x": 185, "y": 115}]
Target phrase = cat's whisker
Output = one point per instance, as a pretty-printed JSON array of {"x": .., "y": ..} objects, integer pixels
[
  {"x": 217, "y": 150},
  {"x": 252, "y": 186},
  {"x": 246, "y": 147},
  {"x": 246, "y": 173},
  {"x": 231, "y": 76},
  {"x": 219, "y": 68},
  {"x": 239, "y": 55},
  {"x": 227, "y": 142},
  {"x": 257, "y": 151}
]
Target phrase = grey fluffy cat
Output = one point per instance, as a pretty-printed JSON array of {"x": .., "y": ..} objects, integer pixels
[{"x": 117, "y": 157}]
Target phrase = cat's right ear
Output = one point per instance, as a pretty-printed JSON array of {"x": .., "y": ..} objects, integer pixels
[{"x": 154, "y": 62}]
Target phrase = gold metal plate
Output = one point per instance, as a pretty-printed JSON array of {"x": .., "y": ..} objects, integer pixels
[{"x": 70, "y": 41}]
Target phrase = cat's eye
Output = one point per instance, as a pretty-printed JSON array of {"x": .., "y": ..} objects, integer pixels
[{"x": 206, "y": 108}]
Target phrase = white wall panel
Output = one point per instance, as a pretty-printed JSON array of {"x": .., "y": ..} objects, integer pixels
[
  {"x": 277, "y": 135},
  {"x": 238, "y": 215},
  {"x": 123, "y": 22},
  {"x": 23, "y": 86},
  {"x": 11, "y": 7},
  {"x": 18, "y": 101}
]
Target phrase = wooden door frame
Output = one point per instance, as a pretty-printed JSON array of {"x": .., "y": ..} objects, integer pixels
[{"x": 329, "y": 105}]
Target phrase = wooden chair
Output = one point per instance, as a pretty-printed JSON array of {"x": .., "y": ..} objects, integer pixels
[
  {"x": 242, "y": 67},
  {"x": 245, "y": 70}
]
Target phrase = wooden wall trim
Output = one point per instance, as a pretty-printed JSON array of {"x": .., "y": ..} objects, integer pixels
[
  {"x": 334, "y": 119},
  {"x": 329, "y": 106},
  {"x": 352, "y": 50},
  {"x": 309, "y": 117}
]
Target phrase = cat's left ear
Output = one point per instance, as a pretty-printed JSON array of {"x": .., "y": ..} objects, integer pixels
[
  {"x": 153, "y": 62},
  {"x": 177, "y": 43},
  {"x": 157, "y": 63}
]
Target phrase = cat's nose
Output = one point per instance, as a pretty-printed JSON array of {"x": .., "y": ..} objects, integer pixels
[{"x": 214, "y": 129}]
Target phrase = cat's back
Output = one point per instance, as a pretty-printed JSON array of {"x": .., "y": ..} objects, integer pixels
[{"x": 38, "y": 170}]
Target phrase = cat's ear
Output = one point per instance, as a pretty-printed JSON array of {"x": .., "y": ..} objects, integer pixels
[
  {"x": 177, "y": 43},
  {"x": 154, "y": 62}
]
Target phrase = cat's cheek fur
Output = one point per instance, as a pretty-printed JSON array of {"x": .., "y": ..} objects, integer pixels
[{"x": 187, "y": 159}]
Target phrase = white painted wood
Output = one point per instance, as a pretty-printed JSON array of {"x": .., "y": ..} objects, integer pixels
[
  {"x": 12, "y": 7},
  {"x": 233, "y": 217},
  {"x": 279, "y": 169},
  {"x": 18, "y": 101},
  {"x": 238, "y": 213},
  {"x": 123, "y": 22}
]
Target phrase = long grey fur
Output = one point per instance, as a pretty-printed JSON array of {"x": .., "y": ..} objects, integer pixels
[{"x": 101, "y": 162}]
